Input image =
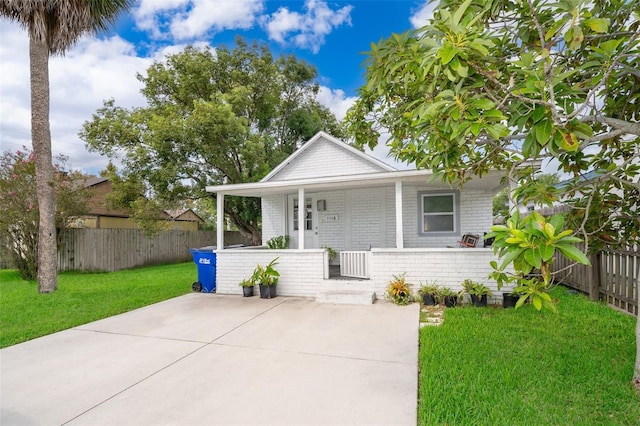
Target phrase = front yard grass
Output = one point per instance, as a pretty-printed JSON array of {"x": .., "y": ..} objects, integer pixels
[
  {"x": 495, "y": 366},
  {"x": 84, "y": 297}
]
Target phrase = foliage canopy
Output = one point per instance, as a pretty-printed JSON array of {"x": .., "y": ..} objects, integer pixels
[
  {"x": 213, "y": 117},
  {"x": 497, "y": 84},
  {"x": 19, "y": 213}
]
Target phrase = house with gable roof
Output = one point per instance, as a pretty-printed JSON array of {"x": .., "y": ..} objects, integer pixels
[{"x": 381, "y": 221}]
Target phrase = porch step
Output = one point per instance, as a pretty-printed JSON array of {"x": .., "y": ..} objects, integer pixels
[{"x": 346, "y": 297}]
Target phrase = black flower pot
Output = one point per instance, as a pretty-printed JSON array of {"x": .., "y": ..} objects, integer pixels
[
  {"x": 429, "y": 299},
  {"x": 450, "y": 301},
  {"x": 509, "y": 300},
  {"x": 479, "y": 301},
  {"x": 267, "y": 291},
  {"x": 247, "y": 291}
]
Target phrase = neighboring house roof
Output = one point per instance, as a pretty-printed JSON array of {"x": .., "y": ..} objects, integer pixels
[
  {"x": 326, "y": 163},
  {"x": 586, "y": 177},
  {"x": 94, "y": 180},
  {"x": 324, "y": 156},
  {"x": 186, "y": 215}
]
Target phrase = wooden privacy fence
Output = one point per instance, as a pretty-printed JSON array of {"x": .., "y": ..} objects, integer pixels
[
  {"x": 613, "y": 276},
  {"x": 115, "y": 249}
]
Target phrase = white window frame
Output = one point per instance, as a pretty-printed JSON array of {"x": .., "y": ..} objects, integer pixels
[{"x": 455, "y": 213}]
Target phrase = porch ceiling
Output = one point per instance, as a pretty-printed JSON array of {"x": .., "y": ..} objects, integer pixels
[{"x": 489, "y": 182}]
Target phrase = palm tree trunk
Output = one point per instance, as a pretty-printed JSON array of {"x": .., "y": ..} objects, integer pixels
[
  {"x": 636, "y": 370},
  {"x": 41, "y": 140}
]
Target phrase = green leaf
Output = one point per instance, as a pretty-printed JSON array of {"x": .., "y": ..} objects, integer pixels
[
  {"x": 512, "y": 254},
  {"x": 457, "y": 16},
  {"x": 543, "y": 132},
  {"x": 528, "y": 146},
  {"x": 483, "y": 103},
  {"x": 532, "y": 256},
  {"x": 573, "y": 253},
  {"x": 546, "y": 252},
  {"x": 597, "y": 25},
  {"x": 557, "y": 221},
  {"x": 610, "y": 47},
  {"x": 537, "y": 302},
  {"x": 476, "y": 128},
  {"x": 447, "y": 53},
  {"x": 538, "y": 113}
]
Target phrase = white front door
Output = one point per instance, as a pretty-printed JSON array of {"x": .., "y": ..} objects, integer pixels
[{"x": 310, "y": 222}]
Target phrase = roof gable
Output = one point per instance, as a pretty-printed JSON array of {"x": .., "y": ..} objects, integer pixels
[{"x": 325, "y": 156}]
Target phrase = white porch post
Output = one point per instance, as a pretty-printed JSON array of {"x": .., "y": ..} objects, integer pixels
[
  {"x": 399, "y": 236},
  {"x": 302, "y": 207},
  {"x": 220, "y": 221}
]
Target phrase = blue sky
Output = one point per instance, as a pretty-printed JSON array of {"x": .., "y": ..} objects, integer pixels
[{"x": 332, "y": 35}]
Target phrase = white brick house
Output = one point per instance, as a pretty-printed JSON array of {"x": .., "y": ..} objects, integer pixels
[{"x": 381, "y": 220}]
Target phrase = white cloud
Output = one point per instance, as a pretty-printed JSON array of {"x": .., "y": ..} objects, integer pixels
[
  {"x": 424, "y": 14},
  {"x": 335, "y": 100},
  {"x": 188, "y": 19},
  {"x": 215, "y": 16},
  {"x": 148, "y": 15},
  {"x": 92, "y": 71},
  {"x": 338, "y": 104},
  {"x": 308, "y": 30}
]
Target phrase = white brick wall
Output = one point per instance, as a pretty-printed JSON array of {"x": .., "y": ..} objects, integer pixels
[
  {"x": 366, "y": 218},
  {"x": 301, "y": 271},
  {"x": 325, "y": 159},
  {"x": 476, "y": 217}
]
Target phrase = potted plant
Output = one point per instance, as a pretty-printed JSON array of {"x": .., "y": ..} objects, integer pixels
[
  {"x": 278, "y": 243},
  {"x": 479, "y": 294},
  {"x": 429, "y": 293},
  {"x": 330, "y": 252},
  {"x": 449, "y": 297},
  {"x": 399, "y": 290},
  {"x": 467, "y": 287},
  {"x": 267, "y": 278},
  {"x": 509, "y": 299},
  {"x": 247, "y": 287}
]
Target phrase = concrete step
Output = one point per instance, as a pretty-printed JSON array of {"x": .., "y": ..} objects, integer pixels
[{"x": 346, "y": 297}]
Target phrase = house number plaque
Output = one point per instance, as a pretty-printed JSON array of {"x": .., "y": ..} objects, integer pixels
[{"x": 330, "y": 218}]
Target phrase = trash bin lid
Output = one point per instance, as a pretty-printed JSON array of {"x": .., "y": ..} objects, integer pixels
[{"x": 208, "y": 249}]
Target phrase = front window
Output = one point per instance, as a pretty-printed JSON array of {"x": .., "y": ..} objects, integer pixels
[
  {"x": 308, "y": 221},
  {"x": 438, "y": 212}
]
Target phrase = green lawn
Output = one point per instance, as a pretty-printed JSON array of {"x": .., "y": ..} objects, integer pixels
[
  {"x": 494, "y": 366},
  {"x": 84, "y": 297}
]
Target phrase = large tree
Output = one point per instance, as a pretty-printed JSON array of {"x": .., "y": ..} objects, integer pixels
[
  {"x": 213, "y": 116},
  {"x": 498, "y": 84},
  {"x": 53, "y": 27}
]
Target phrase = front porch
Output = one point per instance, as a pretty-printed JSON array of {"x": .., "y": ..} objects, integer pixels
[{"x": 307, "y": 273}]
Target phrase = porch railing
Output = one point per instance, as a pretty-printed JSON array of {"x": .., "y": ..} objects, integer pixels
[{"x": 355, "y": 264}]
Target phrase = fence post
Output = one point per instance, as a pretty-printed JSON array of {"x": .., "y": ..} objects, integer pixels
[{"x": 594, "y": 277}]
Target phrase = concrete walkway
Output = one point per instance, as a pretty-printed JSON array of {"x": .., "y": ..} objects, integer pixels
[{"x": 207, "y": 359}]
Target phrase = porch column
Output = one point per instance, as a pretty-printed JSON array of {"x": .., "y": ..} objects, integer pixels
[
  {"x": 302, "y": 207},
  {"x": 220, "y": 221},
  {"x": 399, "y": 236}
]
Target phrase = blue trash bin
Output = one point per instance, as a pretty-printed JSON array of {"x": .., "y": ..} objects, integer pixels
[{"x": 205, "y": 259}]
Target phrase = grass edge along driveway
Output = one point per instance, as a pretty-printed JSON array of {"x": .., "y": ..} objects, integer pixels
[
  {"x": 84, "y": 297},
  {"x": 495, "y": 366}
]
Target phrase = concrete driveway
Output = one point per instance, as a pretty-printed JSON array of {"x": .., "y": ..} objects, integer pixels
[{"x": 207, "y": 359}]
